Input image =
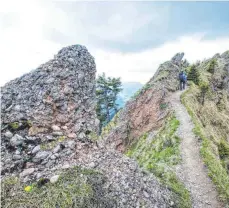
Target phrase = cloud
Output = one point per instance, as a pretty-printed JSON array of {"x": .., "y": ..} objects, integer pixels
[
  {"x": 31, "y": 32},
  {"x": 141, "y": 66},
  {"x": 104, "y": 24},
  {"x": 23, "y": 44}
]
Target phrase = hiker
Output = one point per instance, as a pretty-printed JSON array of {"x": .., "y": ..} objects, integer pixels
[{"x": 183, "y": 80}]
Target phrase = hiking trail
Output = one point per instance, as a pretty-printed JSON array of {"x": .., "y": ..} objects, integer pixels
[{"x": 192, "y": 171}]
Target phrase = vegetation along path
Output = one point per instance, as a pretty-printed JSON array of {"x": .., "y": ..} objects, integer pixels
[{"x": 192, "y": 170}]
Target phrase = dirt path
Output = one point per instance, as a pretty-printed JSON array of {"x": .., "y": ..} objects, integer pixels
[{"x": 192, "y": 170}]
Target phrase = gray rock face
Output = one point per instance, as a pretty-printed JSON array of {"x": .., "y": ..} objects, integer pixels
[
  {"x": 40, "y": 109},
  {"x": 130, "y": 186},
  {"x": 177, "y": 58},
  {"x": 58, "y": 92},
  {"x": 71, "y": 144}
]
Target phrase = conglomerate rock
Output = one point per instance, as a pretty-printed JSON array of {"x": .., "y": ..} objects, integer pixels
[{"x": 44, "y": 112}]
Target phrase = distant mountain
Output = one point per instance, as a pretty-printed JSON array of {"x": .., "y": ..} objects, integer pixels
[{"x": 129, "y": 88}]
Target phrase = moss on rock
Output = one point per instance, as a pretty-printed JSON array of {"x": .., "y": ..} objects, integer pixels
[{"x": 14, "y": 125}]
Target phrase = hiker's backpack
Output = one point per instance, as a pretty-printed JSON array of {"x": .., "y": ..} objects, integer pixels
[
  {"x": 182, "y": 77},
  {"x": 185, "y": 77}
]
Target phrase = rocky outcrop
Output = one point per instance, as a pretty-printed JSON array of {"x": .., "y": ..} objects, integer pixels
[
  {"x": 48, "y": 118},
  {"x": 177, "y": 58},
  {"x": 60, "y": 93},
  {"x": 47, "y": 111}
]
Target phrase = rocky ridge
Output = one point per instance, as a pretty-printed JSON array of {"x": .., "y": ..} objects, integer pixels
[
  {"x": 147, "y": 110},
  {"x": 51, "y": 129},
  {"x": 48, "y": 120}
]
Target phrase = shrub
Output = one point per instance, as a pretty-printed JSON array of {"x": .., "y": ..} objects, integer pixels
[
  {"x": 212, "y": 65},
  {"x": 193, "y": 74},
  {"x": 223, "y": 148},
  {"x": 204, "y": 87}
]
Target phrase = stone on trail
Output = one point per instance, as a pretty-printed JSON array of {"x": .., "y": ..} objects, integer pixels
[
  {"x": 27, "y": 172},
  {"x": 54, "y": 179},
  {"x": 16, "y": 140}
]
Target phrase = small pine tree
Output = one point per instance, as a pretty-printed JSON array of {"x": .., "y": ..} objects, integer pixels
[
  {"x": 193, "y": 74},
  {"x": 107, "y": 90},
  {"x": 185, "y": 63},
  {"x": 204, "y": 87},
  {"x": 212, "y": 66}
]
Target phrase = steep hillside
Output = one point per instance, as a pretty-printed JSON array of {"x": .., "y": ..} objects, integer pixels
[
  {"x": 148, "y": 130},
  {"x": 147, "y": 109}
]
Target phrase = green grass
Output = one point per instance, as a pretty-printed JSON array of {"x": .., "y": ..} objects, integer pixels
[
  {"x": 111, "y": 125},
  {"x": 93, "y": 136},
  {"x": 216, "y": 170},
  {"x": 78, "y": 188},
  {"x": 158, "y": 155},
  {"x": 52, "y": 144},
  {"x": 163, "y": 74}
]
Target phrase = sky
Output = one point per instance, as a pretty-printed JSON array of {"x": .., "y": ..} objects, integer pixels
[{"x": 127, "y": 39}]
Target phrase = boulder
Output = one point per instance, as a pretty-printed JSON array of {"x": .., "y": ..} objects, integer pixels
[
  {"x": 55, "y": 128},
  {"x": 27, "y": 172},
  {"x": 17, "y": 140},
  {"x": 41, "y": 155},
  {"x": 36, "y": 149},
  {"x": 54, "y": 178},
  {"x": 8, "y": 134}
]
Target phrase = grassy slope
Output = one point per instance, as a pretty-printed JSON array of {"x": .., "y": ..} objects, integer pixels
[
  {"x": 158, "y": 155},
  {"x": 75, "y": 188},
  {"x": 209, "y": 127}
]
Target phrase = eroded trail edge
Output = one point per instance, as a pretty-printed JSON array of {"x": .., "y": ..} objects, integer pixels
[{"x": 192, "y": 171}]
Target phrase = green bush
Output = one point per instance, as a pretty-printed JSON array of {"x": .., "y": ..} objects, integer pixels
[
  {"x": 223, "y": 148},
  {"x": 212, "y": 65},
  {"x": 193, "y": 74}
]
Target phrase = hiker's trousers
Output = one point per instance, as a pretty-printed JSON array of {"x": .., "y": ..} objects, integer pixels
[{"x": 182, "y": 85}]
